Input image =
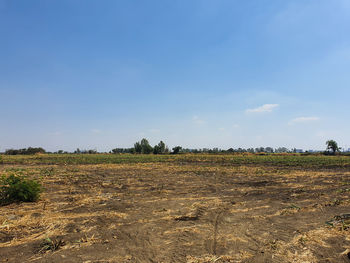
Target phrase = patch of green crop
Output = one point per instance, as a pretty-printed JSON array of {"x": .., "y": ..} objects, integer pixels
[
  {"x": 14, "y": 188},
  {"x": 274, "y": 161}
]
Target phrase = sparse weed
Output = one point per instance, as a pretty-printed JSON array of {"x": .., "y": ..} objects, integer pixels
[
  {"x": 302, "y": 240},
  {"x": 18, "y": 171},
  {"x": 335, "y": 202},
  {"x": 273, "y": 244},
  {"x": 292, "y": 206},
  {"x": 290, "y": 209},
  {"x": 343, "y": 190},
  {"x": 47, "y": 172},
  {"x": 50, "y": 244}
]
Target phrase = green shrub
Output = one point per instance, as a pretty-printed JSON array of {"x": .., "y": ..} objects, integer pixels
[{"x": 18, "y": 188}]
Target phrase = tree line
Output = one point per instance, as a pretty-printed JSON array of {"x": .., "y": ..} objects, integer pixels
[
  {"x": 144, "y": 147},
  {"x": 26, "y": 151}
]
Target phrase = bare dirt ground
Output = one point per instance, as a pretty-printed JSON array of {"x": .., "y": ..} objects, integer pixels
[{"x": 161, "y": 212}]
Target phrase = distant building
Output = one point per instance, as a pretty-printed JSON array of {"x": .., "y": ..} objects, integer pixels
[{"x": 299, "y": 150}]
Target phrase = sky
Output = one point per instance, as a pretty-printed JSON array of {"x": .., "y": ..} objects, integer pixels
[{"x": 201, "y": 74}]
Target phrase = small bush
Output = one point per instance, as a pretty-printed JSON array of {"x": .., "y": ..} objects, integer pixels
[{"x": 18, "y": 189}]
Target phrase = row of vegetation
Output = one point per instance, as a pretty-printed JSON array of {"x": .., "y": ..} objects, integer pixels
[
  {"x": 144, "y": 147},
  {"x": 26, "y": 151}
]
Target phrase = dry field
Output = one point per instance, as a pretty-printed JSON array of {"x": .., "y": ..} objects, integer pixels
[{"x": 188, "y": 208}]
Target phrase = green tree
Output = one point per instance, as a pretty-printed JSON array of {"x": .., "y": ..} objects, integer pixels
[
  {"x": 282, "y": 150},
  {"x": 77, "y": 151},
  {"x": 146, "y": 148},
  {"x": 177, "y": 149},
  {"x": 138, "y": 147},
  {"x": 29, "y": 150},
  {"x": 269, "y": 149},
  {"x": 333, "y": 146},
  {"x": 156, "y": 149},
  {"x": 160, "y": 148}
]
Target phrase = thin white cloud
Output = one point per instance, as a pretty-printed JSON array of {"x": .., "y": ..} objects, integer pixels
[
  {"x": 96, "y": 131},
  {"x": 303, "y": 120},
  {"x": 56, "y": 133},
  {"x": 263, "y": 108},
  {"x": 154, "y": 131},
  {"x": 197, "y": 120},
  {"x": 321, "y": 134}
]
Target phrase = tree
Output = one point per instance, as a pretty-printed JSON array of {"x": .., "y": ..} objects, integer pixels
[
  {"x": 177, "y": 149},
  {"x": 230, "y": 150},
  {"x": 29, "y": 150},
  {"x": 281, "y": 150},
  {"x": 77, "y": 151},
  {"x": 146, "y": 148},
  {"x": 269, "y": 149},
  {"x": 250, "y": 150},
  {"x": 260, "y": 150},
  {"x": 156, "y": 149},
  {"x": 138, "y": 147},
  {"x": 160, "y": 148},
  {"x": 332, "y": 145}
]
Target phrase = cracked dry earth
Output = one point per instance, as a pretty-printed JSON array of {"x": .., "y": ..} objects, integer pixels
[{"x": 162, "y": 212}]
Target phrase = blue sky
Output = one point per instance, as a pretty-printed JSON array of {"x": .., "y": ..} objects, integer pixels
[{"x": 225, "y": 73}]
